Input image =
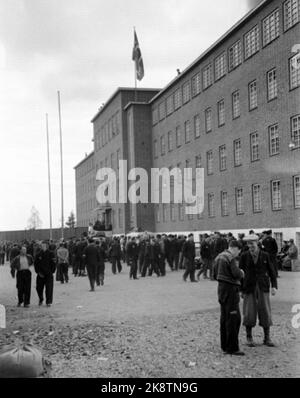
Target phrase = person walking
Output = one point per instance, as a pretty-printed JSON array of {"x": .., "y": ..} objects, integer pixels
[
  {"x": 100, "y": 263},
  {"x": 207, "y": 258},
  {"x": 259, "y": 275},
  {"x": 189, "y": 253},
  {"x": 115, "y": 254},
  {"x": 22, "y": 264},
  {"x": 91, "y": 259},
  {"x": 45, "y": 266},
  {"x": 132, "y": 251},
  {"x": 228, "y": 275},
  {"x": 63, "y": 263}
]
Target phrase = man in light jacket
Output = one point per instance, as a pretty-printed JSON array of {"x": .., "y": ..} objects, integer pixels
[{"x": 22, "y": 264}]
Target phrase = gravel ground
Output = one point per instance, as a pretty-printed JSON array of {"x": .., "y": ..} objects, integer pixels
[
  {"x": 170, "y": 346},
  {"x": 153, "y": 327}
]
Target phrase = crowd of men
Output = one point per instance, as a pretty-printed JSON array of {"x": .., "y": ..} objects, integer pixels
[{"x": 243, "y": 265}]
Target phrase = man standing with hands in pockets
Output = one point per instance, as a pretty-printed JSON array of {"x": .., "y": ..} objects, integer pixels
[
  {"x": 228, "y": 274},
  {"x": 259, "y": 275}
]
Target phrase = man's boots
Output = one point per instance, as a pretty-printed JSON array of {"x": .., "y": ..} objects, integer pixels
[
  {"x": 267, "y": 340},
  {"x": 250, "y": 342}
]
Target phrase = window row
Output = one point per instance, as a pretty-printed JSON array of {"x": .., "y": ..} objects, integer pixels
[
  {"x": 85, "y": 168},
  {"x": 227, "y": 61},
  {"x": 273, "y": 140},
  {"x": 107, "y": 132},
  {"x": 240, "y": 199}
]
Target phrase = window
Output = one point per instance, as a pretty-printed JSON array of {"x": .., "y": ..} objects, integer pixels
[
  {"x": 196, "y": 84},
  {"x": 237, "y": 149},
  {"x": 236, "y": 111},
  {"x": 170, "y": 105},
  {"x": 295, "y": 71},
  {"x": 158, "y": 213},
  {"x": 154, "y": 116},
  {"x": 291, "y": 13},
  {"x": 187, "y": 131},
  {"x": 155, "y": 148},
  {"x": 197, "y": 126},
  {"x": 296, "y": 131},
  {"x": 198, "y": 162},
  {"x": 272, "y": 84},
  {"x": 178, "y": 136},
  {"x": 162, "y": 110},
  {"x": 177, "y": 99},
  {"x": 120, "y": 218},
  {"x": 251, "y": 42},
  {"x": 274, "y": 140},
  {"x": 252, "y": 89},
  {"x": 170, "y": 141},
  {"x": 211, "y": 205},
  {"x": 224, "y": 204},
  {"x": 223, "y": 157},
  {"x": 239, "y": 197},
  {"x": 208, "y": 120},
  {"x": 271, "y": 27},
  {"x": 207, "y": 76},
  {"x": 221, "y": 113},
  {"x": 186, "y": 92},
  {"x": 162, "y": 145},
  {"x": 172, "y": 211},
  {"x": 112, "y": 161},
  {"x": 256, "y": 198},
  {"x": 164, "y": 212},
  {"x": 254, "y": 147},
  {"x": 276, "y": 195},
  {"x": 118, "y": 156},
  {"x": 181, "y": 212},
  {"x": 235, "y": 55},
  {"x": 210, "y": 160},
  {"x": 220, "y": 66},
  {"x": 297, "y": 191}
]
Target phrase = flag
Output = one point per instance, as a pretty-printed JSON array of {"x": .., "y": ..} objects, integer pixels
[{"x": 137, "y": 58}]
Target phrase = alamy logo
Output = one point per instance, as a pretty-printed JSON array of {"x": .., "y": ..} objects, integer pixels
[
  {"x": 296, "y": 318},
  {"x": 2, "y": 317},
  {"x": 185, "y": 188}
]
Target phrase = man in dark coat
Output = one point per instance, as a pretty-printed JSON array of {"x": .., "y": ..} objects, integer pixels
[
  {"x": 228, "y": 274},
  {"x": 45, "y": 266},
  {"x": 22, "y": 264},
  {"x": 154, "y": 257},
  {"x": 189, "y": 253},
  {"x": 270, "y": 246},
  {"x": 132, "y": 251},
  {"x": 259, "y": 272},
  {"x": 101, "y": 263},
  {"x": 206, "y": 252},
  {"x": 115, "y": 255},
  {"x": 91, "y": 259}
]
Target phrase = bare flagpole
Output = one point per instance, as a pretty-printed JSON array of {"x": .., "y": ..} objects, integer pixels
[
  {"x": 61, "y": 168},
  {"x": 49, "y": 177}
]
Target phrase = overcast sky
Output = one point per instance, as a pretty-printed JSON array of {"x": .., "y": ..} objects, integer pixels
[{"x": 82, "y": 48}]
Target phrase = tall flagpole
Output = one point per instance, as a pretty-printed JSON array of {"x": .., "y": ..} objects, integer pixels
[
  {"x": 49, "y": 177},
  {"x": 61, "y": 168},
  {"x": 135, "y": 80}
]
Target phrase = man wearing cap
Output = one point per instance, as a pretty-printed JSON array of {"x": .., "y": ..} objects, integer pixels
[
  {"x": 228, "y": 274},
  {"x": 45, "y": 266},
  {"x": 259, "y": 275},
  {"x": 189, "y": 253}
]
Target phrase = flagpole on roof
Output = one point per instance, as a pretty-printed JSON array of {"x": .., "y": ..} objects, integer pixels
[
  {"x": 135, "y": 71},
  {"x": 61, "y": 167}
]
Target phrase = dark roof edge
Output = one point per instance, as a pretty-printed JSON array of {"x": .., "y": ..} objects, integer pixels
[
  {"x": 237, "y": 25},
  {"x": 83, "y": 160},
  {"x": 114, "y": 95}
]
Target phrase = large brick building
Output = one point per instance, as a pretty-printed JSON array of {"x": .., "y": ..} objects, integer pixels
[{"x": 235, "y": 111}]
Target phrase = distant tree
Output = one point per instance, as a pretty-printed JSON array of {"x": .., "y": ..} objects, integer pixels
[
  {"x": 71, "y": 220},
  {"x": 34, "y": 221}
]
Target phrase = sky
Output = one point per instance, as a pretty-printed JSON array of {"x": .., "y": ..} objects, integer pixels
[{"x": 83, "y": 49}]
